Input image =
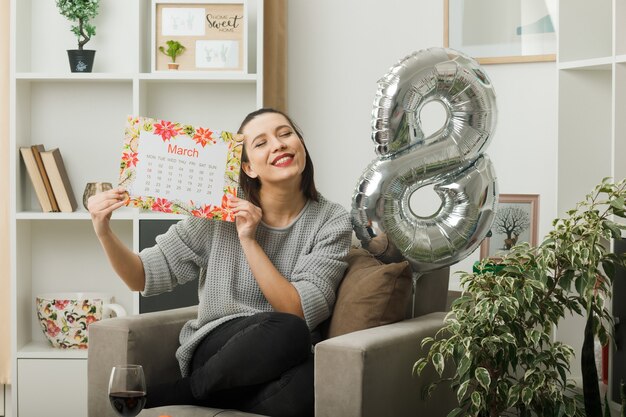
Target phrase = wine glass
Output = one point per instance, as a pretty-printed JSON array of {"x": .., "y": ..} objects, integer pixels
[{"x": 127, "y": 390}]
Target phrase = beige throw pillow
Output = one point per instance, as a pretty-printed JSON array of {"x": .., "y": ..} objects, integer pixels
[{"x": 371, "y": 294}]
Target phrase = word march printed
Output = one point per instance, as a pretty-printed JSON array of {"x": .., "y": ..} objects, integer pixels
[{"x": 175, "y": 168}]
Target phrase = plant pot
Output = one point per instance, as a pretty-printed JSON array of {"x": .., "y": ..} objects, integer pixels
[
  {"x": 81, "y": 60},
  {"x": 172, "y": 65}
]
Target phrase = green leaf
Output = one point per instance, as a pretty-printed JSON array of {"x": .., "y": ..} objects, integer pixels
[
  {"x": 527, "y": 395},
  {"x": 428, "y": 390},
  {"x": 618, "y": 203},
  {"x": 539, "y": 381},
  {"x": 483, "y": 377},
  {"x": 616, "y": 232},
  {"x": 579, "y": 285},
  {"x": 528, "y": 294},
  {"x": 464, "y": 366},
  {"x": 566, "y": 278},
  {"x": 438, "y": 363},
  {"x": 460, "y": 393},
  {"x": 509, "y": 338},
  {"x": 476, "y": 399},
  {"x": 426, "y": 341},
  {"x": 418, "y": 367},
  {"x": 455, "y": 412},
  {"x": 535, "y": 335},
  {"x": 609, "y": 268},
  {"x": 619, "y": 213},
  {"x": 513, "y": 395},
  {"x": 570, "y": 406}
]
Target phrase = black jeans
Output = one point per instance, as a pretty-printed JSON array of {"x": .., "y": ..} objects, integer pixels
[{"x": 260, "y": 364}]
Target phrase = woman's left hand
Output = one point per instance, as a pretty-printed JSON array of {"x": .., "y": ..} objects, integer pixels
[{"x": 247, "y": 217}]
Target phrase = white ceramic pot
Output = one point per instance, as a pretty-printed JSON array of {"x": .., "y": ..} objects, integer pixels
[{"x": 65, "y": 317}]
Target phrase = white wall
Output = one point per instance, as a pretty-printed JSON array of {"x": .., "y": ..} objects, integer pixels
[{"x": 339, "y": 49}]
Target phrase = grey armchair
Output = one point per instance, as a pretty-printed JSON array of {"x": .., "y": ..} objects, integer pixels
[{"x": 364, "y": 373}]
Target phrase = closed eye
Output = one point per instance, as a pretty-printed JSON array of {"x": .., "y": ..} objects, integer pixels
[{"x": 259, "y": 143}]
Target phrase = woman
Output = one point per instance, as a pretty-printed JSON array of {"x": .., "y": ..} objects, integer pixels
[{"x": 265, "y": 283}]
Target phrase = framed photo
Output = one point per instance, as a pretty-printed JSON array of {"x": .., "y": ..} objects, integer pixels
[
  {"x": 516, "y": 221},
  {"x": 501, "y": 31},
  {"x": 213, "y": 34}
]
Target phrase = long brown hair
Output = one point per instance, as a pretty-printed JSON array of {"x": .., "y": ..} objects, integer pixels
[{"x": 252, "y": 186}]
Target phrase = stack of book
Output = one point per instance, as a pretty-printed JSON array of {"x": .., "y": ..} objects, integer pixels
[{"x": 49, "y": 177}]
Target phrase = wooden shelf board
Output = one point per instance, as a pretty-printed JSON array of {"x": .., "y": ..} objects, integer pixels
[
  {"x": 73, "y": 77},
  {"x": 81, "y": 214},
  {"x": 603, "y": 63},
  {"x": 194, "y": 76},
  {"x": 620, "y": 59},
  {"x": 44, "y": 350}
]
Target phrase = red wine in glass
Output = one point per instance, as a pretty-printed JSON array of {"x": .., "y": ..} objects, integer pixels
[
  {"x": 127, "y": 390},
  {"x": 128, "y": 403}
]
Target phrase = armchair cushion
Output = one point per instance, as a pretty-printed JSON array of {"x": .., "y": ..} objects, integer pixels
[
  {"x": 369, "y": 373},
  {"x": 371, "y": 294}
]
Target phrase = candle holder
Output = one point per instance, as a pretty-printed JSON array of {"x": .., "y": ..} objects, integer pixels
[{"x": 93, "y": 188}]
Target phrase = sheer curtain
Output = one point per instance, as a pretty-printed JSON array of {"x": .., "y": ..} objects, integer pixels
[{"x": 5, "y": 288}]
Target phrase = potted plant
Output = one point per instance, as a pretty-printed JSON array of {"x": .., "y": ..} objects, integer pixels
[
  {"x": 174, "y": 48},
  {"x": 81, "y": 12},
  {"x": 498, "y": 336}
]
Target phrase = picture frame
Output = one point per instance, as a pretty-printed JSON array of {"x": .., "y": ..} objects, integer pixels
[
  {"x": 499, "y": 32},
  {"x": 516, "y": 221},
  {"x": 214, "y": 33}
]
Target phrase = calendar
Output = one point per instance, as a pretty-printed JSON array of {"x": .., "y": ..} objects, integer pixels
[{"x": 171, "y": 167}]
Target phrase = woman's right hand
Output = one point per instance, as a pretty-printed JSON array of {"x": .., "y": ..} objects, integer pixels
[
  {"x": 125, "y": 262},
  {"x": 102, "y": 205}
]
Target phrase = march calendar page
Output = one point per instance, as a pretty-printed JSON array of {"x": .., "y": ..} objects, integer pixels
[{"x": 171, "y": 167}]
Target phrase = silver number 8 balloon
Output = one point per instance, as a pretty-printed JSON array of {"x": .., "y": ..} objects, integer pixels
[{"x": 451, "y": 159}]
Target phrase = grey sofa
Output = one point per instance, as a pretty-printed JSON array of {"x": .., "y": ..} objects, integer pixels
[{"x": 364, "y": 373}]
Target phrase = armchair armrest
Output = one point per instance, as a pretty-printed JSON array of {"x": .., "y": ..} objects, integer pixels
[
  {"x": 369, "y": 373},
  {"x": 149, "y": 340}
]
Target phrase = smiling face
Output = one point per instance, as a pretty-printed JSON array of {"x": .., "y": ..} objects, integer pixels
[{"x": 274, "y": 151}]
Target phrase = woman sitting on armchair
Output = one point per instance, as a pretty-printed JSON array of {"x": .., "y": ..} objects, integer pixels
[{"x": 265, "y": 282}]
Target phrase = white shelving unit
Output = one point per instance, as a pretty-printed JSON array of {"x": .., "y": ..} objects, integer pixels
[
  {"x": 592, "y": 102},
  {"x": 84, "y": 115}
]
